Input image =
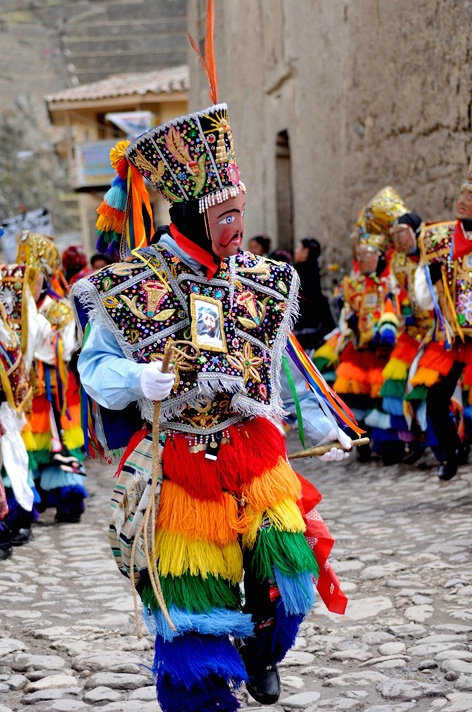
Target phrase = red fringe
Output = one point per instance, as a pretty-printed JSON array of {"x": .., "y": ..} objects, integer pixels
[
  {"x": 253, "y": 448},
  {"x": 405, "y": 349},
  {"x": 436, "y": 358},
  {"x": 321, "y": 542},
  {"x": 467, "y": 377}
]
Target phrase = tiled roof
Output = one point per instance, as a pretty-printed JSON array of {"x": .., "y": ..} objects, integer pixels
[{"x": 160, "y": 81}]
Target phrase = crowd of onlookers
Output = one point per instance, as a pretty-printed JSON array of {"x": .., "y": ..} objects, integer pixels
[{"x": 315, "y": 318}]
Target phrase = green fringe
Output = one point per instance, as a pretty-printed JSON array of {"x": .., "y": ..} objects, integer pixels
[
  {"x": 321, "y": 363},
  {"x": 393, "y": 389},
  {"x": 194, "y": 594},
  {"x": 419, "y": 393},
  {"x": 288, "y": 551},
  {"x": 40, "y": 457},
  {"x": 79, "y": 453}
]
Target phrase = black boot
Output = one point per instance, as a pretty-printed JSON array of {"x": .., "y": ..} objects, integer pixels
[
  {"x": 264, "y": 680},
  {"x": 6, "y": 547},
  {"x": 447, "y": 470},
  {"x": 414, "y": 453},
  {"x": 364, "y": 453}
]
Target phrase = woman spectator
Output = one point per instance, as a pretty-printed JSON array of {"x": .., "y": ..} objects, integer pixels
[{"x": 315, "y": 319}]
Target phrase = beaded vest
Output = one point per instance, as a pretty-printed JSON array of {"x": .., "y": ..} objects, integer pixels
[
  {"x": 239, "y": 320},
  {"x": 435, "y": 243},
  {"x": 14, "y": 282},
  {"x": 14, "y": 382},
  {"x": 418, "y": 321},
  {"x": 365, "y": 295}
]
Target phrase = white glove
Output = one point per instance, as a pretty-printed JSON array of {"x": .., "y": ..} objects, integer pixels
[
  {"x": 155, "y": 385},
  {"x": 336, "y": 454}
]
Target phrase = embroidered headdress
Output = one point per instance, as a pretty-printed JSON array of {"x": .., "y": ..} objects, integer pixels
[{"x": 190, "y": 158}]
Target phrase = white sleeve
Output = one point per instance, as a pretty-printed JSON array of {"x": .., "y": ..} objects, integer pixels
[{"x": 422, "y": 289}]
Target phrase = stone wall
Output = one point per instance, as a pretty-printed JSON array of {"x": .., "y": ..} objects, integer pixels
[{"x": 371, "y": 93}]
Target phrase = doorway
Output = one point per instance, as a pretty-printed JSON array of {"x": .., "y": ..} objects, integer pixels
[{"x": 283, "y": 169}]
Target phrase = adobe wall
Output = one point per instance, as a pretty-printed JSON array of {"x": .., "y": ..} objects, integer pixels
[{"x": 371, "y": 93}]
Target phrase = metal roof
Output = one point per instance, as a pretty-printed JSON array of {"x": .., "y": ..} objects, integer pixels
[{"x": 173, "y": 79}]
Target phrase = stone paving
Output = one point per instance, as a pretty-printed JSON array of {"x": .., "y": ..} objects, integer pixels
[{"x": 403, "y": 554}]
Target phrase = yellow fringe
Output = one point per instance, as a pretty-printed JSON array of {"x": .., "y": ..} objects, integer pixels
[
  {"x": 73, "y": 438},
  {"x": 177, "y": 555},
  {"x": 28, "y": 438},
  {"x": 215, "y": 522},
  {"x": 395, "y": 370},
  {"x": 327, "y": 352},
  {"x": 42, "y": 441},
  {"x": 425, "y": 377},
  {"x": 272, "y": 487},
  {"x": 284, "y": 516},
  {"x": 388, "y": 317}
]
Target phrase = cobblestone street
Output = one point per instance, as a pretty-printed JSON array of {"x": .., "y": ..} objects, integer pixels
[{"x": 403, "y": 553}]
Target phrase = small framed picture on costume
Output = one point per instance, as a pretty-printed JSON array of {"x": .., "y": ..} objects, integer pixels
[{"x": 207, "y": 323}]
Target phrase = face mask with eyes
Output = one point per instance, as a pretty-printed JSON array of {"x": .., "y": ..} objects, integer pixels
[{"x": 225, "y": 225}]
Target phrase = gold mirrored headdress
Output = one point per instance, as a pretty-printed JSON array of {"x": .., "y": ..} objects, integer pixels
[{"x": 38, "y": 251}]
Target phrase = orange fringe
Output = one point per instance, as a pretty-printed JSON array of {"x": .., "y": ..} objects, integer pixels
[
  {"x": 351, "y": 372},
  {"x": 345, "y": 385},
  {"x": 73, "y": 421},
  {"x": 39, "y": 417},
  {"x": 272, "y": 487},
  {"x": 425, "y": 377},
  {"x": 216, "y": 522}
]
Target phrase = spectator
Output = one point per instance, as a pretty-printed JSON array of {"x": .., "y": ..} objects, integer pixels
[
  {"x": 98, "y": 261},
  {"x": 315, "y": 319},
  {"x": 74, "y": 263},
  {"x": 281, "y": 256},
  {"x": 259, "y": 245}
]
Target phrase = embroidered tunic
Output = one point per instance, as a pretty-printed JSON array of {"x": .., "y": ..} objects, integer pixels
[
  {"x": 239, "y": 320},
  {"x": 436, "y": 243}
]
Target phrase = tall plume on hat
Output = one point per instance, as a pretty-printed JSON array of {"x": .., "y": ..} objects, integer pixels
[{"x": 208, "y": 62}]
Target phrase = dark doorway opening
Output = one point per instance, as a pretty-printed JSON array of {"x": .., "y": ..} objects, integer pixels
[{"x": 283, "y": 167}]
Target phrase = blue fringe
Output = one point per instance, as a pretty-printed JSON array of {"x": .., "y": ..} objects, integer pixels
[
  {"x": 54, "y": 477},
  {"x": 70, "y": 500},
  {"x": 285, "y": 633},
  {"x": 115, "y": 196},
  {"x": 298, "y": 592},
  {"x": 394, "y": 406},
  {"x": 217, "y": 623},
  {"x": 191, "y": 658},
  {"x": 399, "y": 423},
  {"x": 213, "y": 697},
  {"x": 275, "y": 641},
  {"x": 381, "y": 436},
  {"x": 388, "y": 334}
]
